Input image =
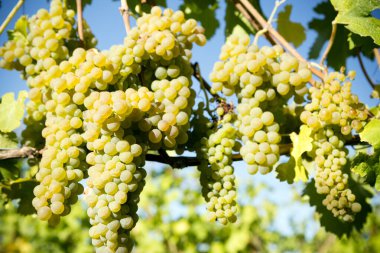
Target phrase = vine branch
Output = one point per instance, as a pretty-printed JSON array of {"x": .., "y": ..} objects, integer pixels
[
  {"x": 203, "y": 82},
  {"x": 11, "y": 15},
  {"x": 80, "y": 20},
  {"x": 361, "y": 63},
  {"x": 177, "y": 162},
  {"x": 273, "y": 33},
  {"x": 331, "y": 42},
  {"x": 19, "y": 153},
  {"x": 376, "y": 52},
  {"x": 269, "y": 22},
  {"x": 125, "y": 14},
  {"x": 252, "y": 21}
]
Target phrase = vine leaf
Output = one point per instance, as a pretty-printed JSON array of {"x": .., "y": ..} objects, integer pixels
[
  {"x": 9, "y": 170},
  {"x": 368, "y": 167},
  {"x": 301, "y": 144},
  {"x": 285, "y": 171},
  {"x": 205, "y": 12},
  {"x": 327, "y": 219},
  {"x": 11, "y": 111},
  {"x": 22, "y": 189},
  {"x": 356, "y": 16},
  {"x": 293, "y": 32},
  {"x": 371, "y": 133},
  {"x": 234, "y": 18},
  {"x": 19, "y": 31},
  {"x": 22, "y": 25},
  {"x": 340, "y": 49},
  {"x": 8, "y": 140}
]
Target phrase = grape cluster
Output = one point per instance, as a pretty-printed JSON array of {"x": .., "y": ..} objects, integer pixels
[
  {"x": 116, "y": 176},
  {"x": 162, "y": 43},
  {"x": 264, "y": 80},
  {"x": 101, "y": 111},
  {"x": 37, "y": 52},
  {"x": 332, "y": 114},
  {"x": 217, "y": 174},
  {"x": 332, "y": 103}
]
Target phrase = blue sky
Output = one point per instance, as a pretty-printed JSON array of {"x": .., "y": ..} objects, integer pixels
[{"x": 104, "y": 18}]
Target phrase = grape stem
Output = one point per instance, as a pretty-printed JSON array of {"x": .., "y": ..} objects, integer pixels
[
  {"x": 331, "y": 42},
  {"x": 276, "y": 36},
  {"x": 205, "y": 84},
  {"x": 376, "y": 52},
  {"x": 369, "y": 79},
  {"x": 125, "y": 14},
  {"x": 80, "y": 20},
  {"x": 269, "y": 22},
  {"x": 197, "y": 74},
  {"x": 252, "y": 21},
  {"x": 11, "y": 15}
]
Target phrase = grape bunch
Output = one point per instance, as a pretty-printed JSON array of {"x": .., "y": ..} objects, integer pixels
[
  {"x": 161, "y": 44},
  {"x": 333, "y": 113},
  {"x": 38, "y": 52},
  {"x": 264, "y": 80},
  {"x": 114, "y": 105},
  {"x": 116, "y": 175},
  {"x": 217, "y": 174}
]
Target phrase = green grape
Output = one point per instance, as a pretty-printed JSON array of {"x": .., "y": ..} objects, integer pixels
[
  {"x": 264, "y": 80},
  {"x": 332, "y": 114}
]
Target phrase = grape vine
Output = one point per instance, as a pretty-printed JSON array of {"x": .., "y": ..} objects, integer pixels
[{"x": 98, "y": 116}]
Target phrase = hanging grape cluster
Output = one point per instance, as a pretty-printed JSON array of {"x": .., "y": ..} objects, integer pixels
[
  {"x": 333, "y": 113},
  {"x": 101, "y": 111},
  {"x": 264, "y": 80}
]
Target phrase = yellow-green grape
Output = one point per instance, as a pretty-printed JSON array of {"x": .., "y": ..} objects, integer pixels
[
  {"x": 332, "y": 103},
  {"x": 332, "y": 114},
  {"x": 218, "y": 178},
  {"x": 115, "y": 175},
  {"x": 261, "y": 136},
  {"x": 264, "y": 79},
  {"x": 63, "y": 160},
  {"x": 330, "y": 180},
  {"x": 162, "y": 42}
]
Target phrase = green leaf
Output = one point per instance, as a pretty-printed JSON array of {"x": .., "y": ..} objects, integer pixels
[
  {"x": 371, "y": 133},
  {"x": 323, "y": 26},
  {"x": 22, "y": 189},
  {"x": 367, "y": 167},
  {"x": 356, "y": 16},
  {"x": 8, "y": 140},
  {"x": 22, "y": 25},
  {"x": 285, "y": 171},
  {"x": 327, "y": 219},
  {"x": 235, "y": 18},
  {"x": 11, "y": 111},
  {"x": 301, "y": 144},
  {"x": 292, "y": 31},
  {"x": 203, "y": 11},
  {"x": 9, "y": 169}
]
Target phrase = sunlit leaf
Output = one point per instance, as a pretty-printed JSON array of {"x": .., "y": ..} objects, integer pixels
[
  {"x": 293, "y": 32},
  {"x": 371, "y": 133},
  {"x": 203, "y": 11},
  {"x": 302, "y": 143},
  {"x": 356, "y": 16},
  {"x": 11, "y": 111},
  {"x": 8, "y": 140}
]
